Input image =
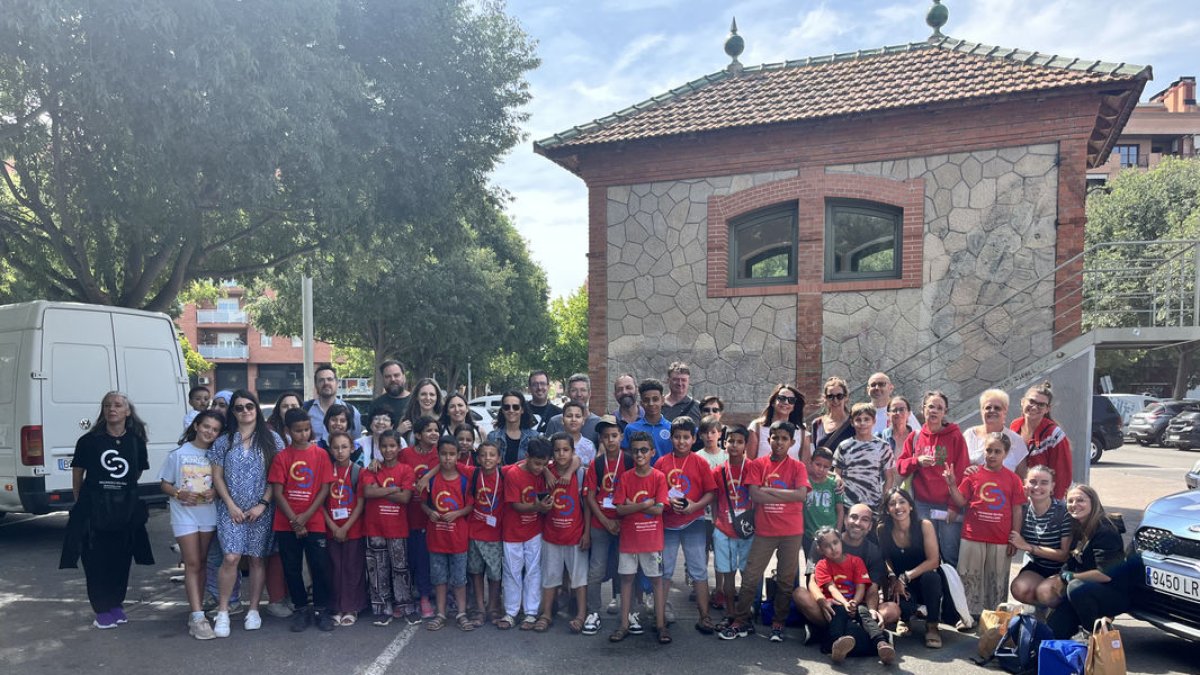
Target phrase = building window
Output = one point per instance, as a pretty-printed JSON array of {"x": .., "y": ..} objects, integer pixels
[
  {"x": 228, "y": 304},
  {"x": 297, "y": 342},
  {"x": 264, "y": 340},
  {"x": 862, "y": 240},
  {"x": 762, "y": 246},
  {"x": 1128, "y": 155}
]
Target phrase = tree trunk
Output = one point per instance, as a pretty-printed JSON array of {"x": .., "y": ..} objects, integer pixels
[{"x": 1184, "y": 371}]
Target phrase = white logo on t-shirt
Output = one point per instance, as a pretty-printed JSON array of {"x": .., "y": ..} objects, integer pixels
[
  {"x": 664, "y": 434},
  {"x": 116, "y": 465}
]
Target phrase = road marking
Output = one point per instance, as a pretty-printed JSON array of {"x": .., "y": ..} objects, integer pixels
[
  {"x": 32, "y": 518},
  {"x": 10, "y": 598},
  {"x": 391, "y": 652}
]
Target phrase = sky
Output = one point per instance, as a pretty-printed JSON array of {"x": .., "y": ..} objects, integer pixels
[{"x": 601, "y": 56}]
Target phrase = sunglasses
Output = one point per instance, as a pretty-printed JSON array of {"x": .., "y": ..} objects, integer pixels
[
  {"x": 710, "y": 411},
  {"x": 835, "y": 397},
  {"x": 783, "y": 398},
  {"x": 511, "y": 407},
  {"x": 244, "y": 407}
]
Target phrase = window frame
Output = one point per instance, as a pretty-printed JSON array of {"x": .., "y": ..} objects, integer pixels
[
  {"x": 876, "y": 209},
  {"x": 790, "y": 209},
  {"x": 265, "y": 340},
  {"x": 1135, "y": 152}
]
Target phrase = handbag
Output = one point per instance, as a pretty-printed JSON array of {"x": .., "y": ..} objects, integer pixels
[
  {"x": 993, "y": 623},
  {"x": 1105, "y": 650},
  {"x": 743, "y": 523},
  {"x": 1061, "y": 657}
]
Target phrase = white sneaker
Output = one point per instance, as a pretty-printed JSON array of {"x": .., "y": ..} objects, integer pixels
[
  {"x": 221, "y": 625},
  {"x": 253, "y": 620},
  {"x": 591, "y": 625},
  {"x": 279, "y": 610},
  {"x": 614, "y": 606},
  {"x": 200, "y": 629},
  {"x": 635, "y": 626}
]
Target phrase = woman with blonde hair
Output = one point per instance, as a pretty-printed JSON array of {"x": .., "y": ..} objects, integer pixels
[{"x": 993, "y": 410}]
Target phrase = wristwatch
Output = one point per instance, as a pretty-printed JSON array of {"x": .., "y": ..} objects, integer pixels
[{"x": 264, "y": 502}]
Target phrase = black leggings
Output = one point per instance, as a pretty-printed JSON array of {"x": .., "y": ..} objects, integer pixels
[
  {"x": 928, "y": 590},
  {"x": 1086, "y": 601},
  {"x": 863, "y": 627},
  {"x": 107, "y": 557}
]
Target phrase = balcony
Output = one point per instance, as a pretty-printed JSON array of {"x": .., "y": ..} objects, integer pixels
[
  {"x": 277, "y": 383},
  {"x": 227, "y": 316},
  {"x": 224, "y": 351}
]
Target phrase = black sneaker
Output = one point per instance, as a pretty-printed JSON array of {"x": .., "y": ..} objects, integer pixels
[
  {"x": 301, "y": 619},
  {"x": 324, "y": 621},
  {"x": 734, "y": 631},
  {"x": 776, "y": 633}
]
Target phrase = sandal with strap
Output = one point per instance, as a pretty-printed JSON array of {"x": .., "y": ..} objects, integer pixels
[
  {"x": 464, "y": 623},
  {"x": 576, "y": 626},
  {"x": 705, "y": 625},
  {"x": 664, "y": 636},
  {"x": 618, "y": 635},
  {"x": 505, "y": 622},
  {"x": 438, "y": 622},
  {"x": 542, "y": 624},
  {"x": 476, "y": 618},
  {"x": 528, "y": 622},
  {"x": 933, "y": 639}
]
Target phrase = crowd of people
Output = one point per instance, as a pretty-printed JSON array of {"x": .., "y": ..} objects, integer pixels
[{"x": 876, "y": 520}]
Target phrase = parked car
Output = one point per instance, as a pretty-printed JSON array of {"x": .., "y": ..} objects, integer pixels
[
  {"x": 485, "y": 420},
  {"x": 1147, "y": 426},
  {"x": 1128, "y": 404},
  {"x": 1166, "y": 565},
  {"x": 1183, "y": 431},
  {"x": 491, "y": 402},
  {"x": 1106, "y": 428}
]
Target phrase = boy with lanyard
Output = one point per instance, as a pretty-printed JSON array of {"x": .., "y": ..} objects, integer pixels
[
  {"x": 600, "y": 483},
  {"x": 641, "y": 496},
  {"x": 446, "y": 505},
  {"x": 526, "y": 500},
  {"x": 779, "y": 487},
  {"x": 565, "y": 538},
  {"x": 730, "y": 551},
  {"x": 690, "y": 489},
  {"x": 485, "y": 552}
]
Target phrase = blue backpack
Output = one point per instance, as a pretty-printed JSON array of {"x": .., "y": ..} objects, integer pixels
[
  {"x": 1061, "y": 657},
  {"x": 1018, "y": 650}
]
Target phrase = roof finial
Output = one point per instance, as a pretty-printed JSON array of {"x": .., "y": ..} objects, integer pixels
[
  {"x": 936, "y": 18},
  {"x": 734, "y": 44}
]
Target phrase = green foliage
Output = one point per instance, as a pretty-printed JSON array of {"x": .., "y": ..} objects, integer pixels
[
  {"x": 191, "y": 358},
  {"x": 354, "y": 361},
  {"x": 567, "y": 353},
  {"x": 149, "y": 143}
]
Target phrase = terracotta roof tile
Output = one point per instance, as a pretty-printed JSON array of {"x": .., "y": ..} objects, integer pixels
[{"x": 944, "y": 70}]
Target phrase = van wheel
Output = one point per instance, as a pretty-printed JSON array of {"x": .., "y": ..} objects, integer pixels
[{"x": 1097, "y": 451}]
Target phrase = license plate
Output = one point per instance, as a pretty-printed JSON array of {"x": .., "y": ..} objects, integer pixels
[
  {"x": 64, "y": 465},
  {"x": 1173, "y": 437},
  {"x": 1172, "y": 583}
]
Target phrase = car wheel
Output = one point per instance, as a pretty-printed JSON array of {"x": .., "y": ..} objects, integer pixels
[
  {"x": 1144, "y": 442},
  {"x": 1097, "y": 451}
]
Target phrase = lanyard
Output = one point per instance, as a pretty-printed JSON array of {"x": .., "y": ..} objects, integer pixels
[
  {"x": 734, "y": 483},
  {"x": 491, "y": 502},
  {"x": 675, "y": 464},
  {"x": 606, "y": 474}
]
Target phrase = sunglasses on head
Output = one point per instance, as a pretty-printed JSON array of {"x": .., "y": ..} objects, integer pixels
[
  {"x": 244, "y": 407},
  {"x": 510, "y": 407},
  {"x": 784, "y": 398}
]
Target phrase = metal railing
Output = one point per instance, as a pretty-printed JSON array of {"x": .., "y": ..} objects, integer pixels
[
  {"x": 224, "y": 351},
  {"x": 220, "y": 316}
]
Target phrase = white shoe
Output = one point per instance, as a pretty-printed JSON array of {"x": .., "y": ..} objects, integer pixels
[
  {"x": 221, "y": 625},
  {"x": 200, "y": 629},
  {"x": 253, "y": 620},
  {"x": 635, "y": 626},
  {"x": 591, "y": 625}
]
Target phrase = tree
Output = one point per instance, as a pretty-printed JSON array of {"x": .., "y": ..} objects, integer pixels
[
  {"x": 567, "y": 352},
  {"x": 149, "y": 143},
  {"x": 1145, "y": 206},
  {"x": 191, "y": 358}
]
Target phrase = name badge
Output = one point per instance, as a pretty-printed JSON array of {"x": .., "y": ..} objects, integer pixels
[
  {"x": 608, "y": 503},
  {"x": 675, "y": 493},
  {"x": 340, "y": 514},
  {"x": 490, "y": 520}
]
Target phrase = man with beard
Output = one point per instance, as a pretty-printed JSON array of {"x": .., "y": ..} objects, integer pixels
[
  {"x": 327, "y": 386},
  {"x": 539, "y": 401},
  {"x": 395, "y": 389},
  {"x": 626, "y": 394}
]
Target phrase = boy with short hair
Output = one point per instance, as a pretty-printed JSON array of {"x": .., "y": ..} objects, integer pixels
[
  {"x": 565, "y": 537},
  {"x": 445, "y": 504},
  {"x": 525, "y": 501},
  {"x": 485, "y": 552},
  {"x": 864, "y": 463},
  {"x": 779, "y": 487},
  {"x": 825, "y": 506},
  {"x": 600, "y": 484},
  {"x": 198, "y": 398},
  {"x": 652, "y": 421},
  {"x": 640, "y": 498},
  {"x": 690, "y": 489},
  {"x": 730, "y": 551}
]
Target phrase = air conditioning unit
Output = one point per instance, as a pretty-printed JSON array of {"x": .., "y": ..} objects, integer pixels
[{"x": 202, "y": 380}]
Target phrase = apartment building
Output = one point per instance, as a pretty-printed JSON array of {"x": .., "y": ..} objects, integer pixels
[{"x": 1168, "y": 124}]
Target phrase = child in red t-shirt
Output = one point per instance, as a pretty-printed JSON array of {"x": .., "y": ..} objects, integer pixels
[
  {"x": 447, "y": 503},
  {"x": 992, "y": 498},
  {"x": 843, "y": 580},
  {"x": 485, "y": 552},
  {"x": 526, "y": 499},
  {"x": 730, "y": 551},
  {"x": 343, "y": 522},
  {"x": 389, "y": 489},
  {"x": 565, "y": 536},
  {"x": 600, "y": 483},
  {"x": 640, "y": 498},
  {"x": 300, "y": 476},
  {"x": 421, "y": 457}
]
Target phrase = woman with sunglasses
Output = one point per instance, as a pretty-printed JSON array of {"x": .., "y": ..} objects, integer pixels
[
  {"x": 785, "y": 403},
  {"x": 515, "y": 428},
  {"x": 993, "y": 410},
  {"x": 1047, "y": 442},
  {"x": 240, "y": 460},
  {"x": 830, "y": 429},
  {"x": 926, "y": 456}
]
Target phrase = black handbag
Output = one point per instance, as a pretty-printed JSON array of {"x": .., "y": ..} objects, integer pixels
[{"x": 743, "y": 523}]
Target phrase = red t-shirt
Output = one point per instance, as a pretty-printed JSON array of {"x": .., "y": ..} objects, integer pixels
[
  {"x": 446, "y": 495},
  {"x": 521, "y": 487},
  {"x": 734, "y": 490},
  {"x": 563, "y": 525},
  {"x": 847, "y": 574},
  {"x": 603, "y": 486},
  {"x": 991, "y": 496},
  {"x": 301, "y": 473},
  {"x": 381, "y": 516},
  {"x": 488, "y": 515},
  {"x": 778, "y": 520},
  {"x": 641, "y": 532},
  {"x": 420, "y": 463},
  {"x": 343, "y": 498},
  {"x": 691, "y": 476}
]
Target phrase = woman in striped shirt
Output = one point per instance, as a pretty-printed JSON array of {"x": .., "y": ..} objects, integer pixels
[{"x": 1045, "y": 537}]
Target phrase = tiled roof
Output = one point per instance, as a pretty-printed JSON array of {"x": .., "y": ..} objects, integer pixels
[{"x": 942, "y": 70}]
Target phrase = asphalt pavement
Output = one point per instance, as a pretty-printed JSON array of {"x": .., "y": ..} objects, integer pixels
[{"x": 46, "y": 625}]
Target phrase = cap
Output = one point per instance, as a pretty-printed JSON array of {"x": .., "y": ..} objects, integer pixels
[{"x": 607, "y": 421}]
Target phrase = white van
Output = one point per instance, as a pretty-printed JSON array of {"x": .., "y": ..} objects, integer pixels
[
  {"x": 57, "y": 360},
  {"x": 1128, "y": 404}
]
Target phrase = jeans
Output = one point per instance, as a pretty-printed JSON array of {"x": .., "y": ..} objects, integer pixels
[
  {"x": 1086, "y": 601},
  {"x": 418, "y": 562},
  {"x": 293, "y": 551},
  {"x": 948, "y": 534}
]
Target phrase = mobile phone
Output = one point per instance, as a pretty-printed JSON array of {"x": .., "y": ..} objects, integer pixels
[
  {"x": 939, "y": 455},
  {"x": 541, "y": 496}
]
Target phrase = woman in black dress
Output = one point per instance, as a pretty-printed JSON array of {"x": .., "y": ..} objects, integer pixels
[{"x": 910, "y": 548}]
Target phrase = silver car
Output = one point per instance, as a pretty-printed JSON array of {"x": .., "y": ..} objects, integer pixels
[{"x": 1167, "y": 576}]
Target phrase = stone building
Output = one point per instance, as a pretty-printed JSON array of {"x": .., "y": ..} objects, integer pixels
[{"x": 913, "y": 208}]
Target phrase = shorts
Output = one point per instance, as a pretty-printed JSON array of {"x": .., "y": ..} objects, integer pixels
[
  {"x": 184, "y": 529},
  {"x": 693, "y": 539},
  {"x": 486, "y": 557},
  {"x": 556, "y": 557},
  {"x": 448, "y": 568},
  {"x": 730, "y": 554},
  {"x": 1036, "y": 568},
  {"x": 650, "y": 563}
]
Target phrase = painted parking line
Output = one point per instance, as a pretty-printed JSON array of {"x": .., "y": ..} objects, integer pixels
[{"x": 391, "y": 652}]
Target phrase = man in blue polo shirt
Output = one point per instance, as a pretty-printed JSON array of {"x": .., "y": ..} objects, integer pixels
[{"x": 652, "y": 421}]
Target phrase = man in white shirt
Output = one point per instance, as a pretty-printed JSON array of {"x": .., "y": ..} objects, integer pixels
[{"x": 880, "y": 388}]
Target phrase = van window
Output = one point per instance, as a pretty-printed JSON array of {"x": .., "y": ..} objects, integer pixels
[
  {"x": 149, "y": 375},
  {"x": 80, "y": 373},
  {"x": 8, "y": 371}
]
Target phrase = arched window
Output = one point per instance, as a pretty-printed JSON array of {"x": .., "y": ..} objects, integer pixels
[
  {"x": 862, "y": 240},
  {"x": 762, "y": 246}
]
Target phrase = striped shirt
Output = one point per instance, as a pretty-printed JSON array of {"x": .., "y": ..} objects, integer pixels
[{"x": 1046, "y": 530}]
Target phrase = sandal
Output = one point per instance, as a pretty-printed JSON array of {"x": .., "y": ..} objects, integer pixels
[
  {"x": 349, "y": 619},
  {"x": 576, "y": 626},
  {"x": 543, "y": 624},
  {"x": 505, "y": 622},
  {"x": 438, "y": 622},
  {"x": 933, "y": 639},
  {"x": 618, "y": 635},
  {"x": 476, "y": 618},
  {"x": 664, "y": 636},
  {"x": 528, "y": 622},
  {"x": 464, "y": 623},
  {"x": 705, "y": 625}
]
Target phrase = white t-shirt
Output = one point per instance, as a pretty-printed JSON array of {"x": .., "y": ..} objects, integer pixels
[
  {"x": 370, "y": 451},
  {"x": 187, "y": 468},
  {"x": 881, "y": 420},
  {"x": 1017, "y": 450},
  {"x": 763, "y": 434}
]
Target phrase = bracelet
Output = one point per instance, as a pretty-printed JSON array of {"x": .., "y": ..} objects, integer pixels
[
  {"x": 265, "y": 503},
  {"x": 904, "y": 578}
]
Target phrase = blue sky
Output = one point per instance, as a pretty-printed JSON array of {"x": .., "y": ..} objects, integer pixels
[{"x": 600, "y": 56}]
